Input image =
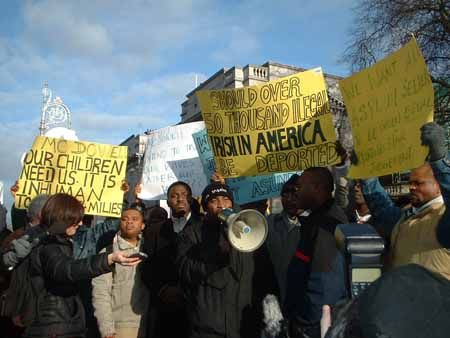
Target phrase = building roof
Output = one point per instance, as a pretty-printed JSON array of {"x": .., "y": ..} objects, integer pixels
[
  {"x": 129, "y": 138},
  {"x": 203, "y": 84},
  {"x": 223, "y": 71},
  {"x": 298, "y": 69}
]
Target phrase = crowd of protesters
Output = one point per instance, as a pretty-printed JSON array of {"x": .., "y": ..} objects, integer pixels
[{"x": 158, "y": 274}]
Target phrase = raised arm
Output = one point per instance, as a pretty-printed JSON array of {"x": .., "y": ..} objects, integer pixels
[
  {"x": 441, "y": 170},
  {"x": 110, "y": 224},
  {"x": 340, "y": 172},
  {"x": 385, "y": 214},
  {"x": 433, "y": 136}
]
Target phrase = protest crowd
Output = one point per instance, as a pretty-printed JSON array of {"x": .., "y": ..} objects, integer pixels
[
  {"x": 189, "y": 271},
  {"x": 149, "y": 274}
]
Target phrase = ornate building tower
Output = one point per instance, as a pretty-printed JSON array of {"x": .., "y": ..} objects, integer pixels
[{"x": 54, "y": 112}]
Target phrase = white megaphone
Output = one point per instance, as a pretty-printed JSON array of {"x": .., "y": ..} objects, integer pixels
[{"x": 246, "y": 229}]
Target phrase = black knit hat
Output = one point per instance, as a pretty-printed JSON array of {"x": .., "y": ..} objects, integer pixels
[
  {"x": 409, "y": 301},
  {"x": 215, "y": 189}
]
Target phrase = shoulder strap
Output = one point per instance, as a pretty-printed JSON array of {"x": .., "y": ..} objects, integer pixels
[{"x": 22, "y": 295}]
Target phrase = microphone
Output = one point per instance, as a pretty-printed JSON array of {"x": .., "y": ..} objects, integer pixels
[{"x": 275, "y": 324}]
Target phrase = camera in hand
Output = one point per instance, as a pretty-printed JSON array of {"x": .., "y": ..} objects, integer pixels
[
  {"x": 362, "y": 248},
  {"x": 141, "y": 255}
]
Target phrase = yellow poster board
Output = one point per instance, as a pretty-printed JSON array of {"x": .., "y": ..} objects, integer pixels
[
  {"x": 283, "y": 125},
  {"x": 387, "y": 104},
  {"x": 91, "y": 172}
]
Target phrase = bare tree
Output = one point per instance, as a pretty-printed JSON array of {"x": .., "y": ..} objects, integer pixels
[{"x": 382, "y": 26}]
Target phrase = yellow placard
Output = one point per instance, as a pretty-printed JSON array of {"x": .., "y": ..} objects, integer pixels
[
  {"x": 283, "y": 125},
  {"x": 91, "y": 172},
  {"x": 387, "y": 104}
]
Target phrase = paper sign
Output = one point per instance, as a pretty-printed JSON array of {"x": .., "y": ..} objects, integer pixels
[
  {"x": 387, "y": 104},
  {"x": 171, "y": 156},
  {"x": 245, "y": 189},
  {"x": 284, "y": 125},
  {"x": 91, "y": 172}
]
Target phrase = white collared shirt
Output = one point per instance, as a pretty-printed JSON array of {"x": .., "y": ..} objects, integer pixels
[
  {"x": 436, "y": 200},
  {"x": 363, "y": 218}
]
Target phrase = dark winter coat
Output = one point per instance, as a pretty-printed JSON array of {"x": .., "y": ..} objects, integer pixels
[
  {"x": 160, "y": 243},
  {"x": 160, "y": 272},
  {"x": 224, "y": 290},
  {"x": 316, "y": 274},
  {"x": 55, "y": 273}
]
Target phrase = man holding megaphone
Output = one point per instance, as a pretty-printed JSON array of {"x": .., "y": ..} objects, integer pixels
[{"x": 218, "y": 279}]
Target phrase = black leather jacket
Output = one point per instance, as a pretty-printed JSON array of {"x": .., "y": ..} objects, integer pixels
[{"x": 55, "y": 273}]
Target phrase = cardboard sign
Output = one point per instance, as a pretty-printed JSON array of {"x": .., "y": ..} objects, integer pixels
[
  {"x": 171, "y": 156},
  {"x": 387, "y": 104},
  {"x": 247, "y": 188},
  {"x": 91, "y": 172},
  {"x": 284, "y": 125}
]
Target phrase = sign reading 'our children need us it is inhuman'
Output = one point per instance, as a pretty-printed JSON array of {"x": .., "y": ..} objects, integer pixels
[
  {"x": 91, "y": 172},
  {"x": 284, "y": 125}
]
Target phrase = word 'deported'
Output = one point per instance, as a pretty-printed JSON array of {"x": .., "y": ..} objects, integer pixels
[{"x": 284, "y": 125}]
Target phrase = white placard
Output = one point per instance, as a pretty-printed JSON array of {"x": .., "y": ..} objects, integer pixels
[{"x": 171, "y": 156}]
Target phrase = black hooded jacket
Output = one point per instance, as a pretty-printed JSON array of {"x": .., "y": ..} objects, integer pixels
[
  {"x": 55, "y": 273},
  {"x": 224, "y": 288}
]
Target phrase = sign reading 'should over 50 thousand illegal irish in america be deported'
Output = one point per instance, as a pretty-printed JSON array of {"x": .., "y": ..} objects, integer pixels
[
  {"x": 91, "y": 172},
  {"x": 284, "y": 125}
]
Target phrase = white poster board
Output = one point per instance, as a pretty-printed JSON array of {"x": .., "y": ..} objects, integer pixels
[{"x": 171, "y": 156}]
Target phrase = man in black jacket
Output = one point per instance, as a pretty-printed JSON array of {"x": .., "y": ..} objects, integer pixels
[
  {"x": 316, "y": 274},
  {"x": 219, "y": 280},
  {"x": 159, "y": 272}
]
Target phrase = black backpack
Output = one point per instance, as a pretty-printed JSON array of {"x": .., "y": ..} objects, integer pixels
[{"x": 21, "y": 298}]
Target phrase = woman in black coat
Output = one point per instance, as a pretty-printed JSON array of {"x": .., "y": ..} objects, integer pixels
[{"x": 54, "y": 272}]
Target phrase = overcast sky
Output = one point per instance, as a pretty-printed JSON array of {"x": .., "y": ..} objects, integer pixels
[{"x": 125, "y": 66}]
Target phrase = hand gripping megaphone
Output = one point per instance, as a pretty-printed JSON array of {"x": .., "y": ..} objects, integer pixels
[{"x": 246, "y": 229}]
